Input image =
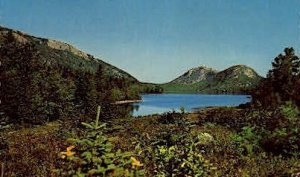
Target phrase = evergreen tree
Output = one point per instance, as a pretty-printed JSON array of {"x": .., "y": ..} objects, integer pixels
[
  {"x": 85, "y": 94},
  {"x": 32, "y": 91},
  {"x": 101, "y": 84},
  {"x": 19, "y": 62},
  {"x": 282, "y": 82},
  {"x": 58, "y": 94}
]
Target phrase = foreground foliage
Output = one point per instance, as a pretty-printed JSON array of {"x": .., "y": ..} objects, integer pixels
[
  {"x": 148, "y": 144},
  {"x": 92, "y": 155}
]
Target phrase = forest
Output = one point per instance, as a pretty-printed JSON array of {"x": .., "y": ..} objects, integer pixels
[{"x": 36, "y": 89}]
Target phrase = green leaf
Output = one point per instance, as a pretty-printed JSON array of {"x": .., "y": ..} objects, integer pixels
[
  {"x": 87, "y": 125},
  {"x": 111, "y": 167}
]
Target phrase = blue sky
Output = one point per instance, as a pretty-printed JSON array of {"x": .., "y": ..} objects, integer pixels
[{"x": 157, "y": 40}]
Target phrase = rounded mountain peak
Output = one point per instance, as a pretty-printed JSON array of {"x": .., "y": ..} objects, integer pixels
[
  {"x": 236, "y": 72},
  {"x": 194, "y": 75}
]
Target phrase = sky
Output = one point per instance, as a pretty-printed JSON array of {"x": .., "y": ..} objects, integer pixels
[{"x": 158, "y": 40}]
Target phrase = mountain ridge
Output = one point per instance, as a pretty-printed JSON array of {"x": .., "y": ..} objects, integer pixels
[
  {"x": 66, "y": 54},
  {"x": 235, "y": 79}
]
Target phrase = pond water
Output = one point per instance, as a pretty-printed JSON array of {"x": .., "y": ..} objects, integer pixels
[{"x": 160, "y": 103}]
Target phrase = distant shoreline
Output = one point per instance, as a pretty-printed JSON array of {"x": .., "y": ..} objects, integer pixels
[{"x": 126, "y": 101}]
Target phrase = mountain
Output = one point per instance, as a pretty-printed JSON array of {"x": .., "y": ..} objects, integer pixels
[
  {"x": 44, "y": 79},
  {"x": 61, "y": 53},
  {"x": 195, "y": 75},
  {"x": 236, "y": 73},
  {"x": 235, "y": 79}
]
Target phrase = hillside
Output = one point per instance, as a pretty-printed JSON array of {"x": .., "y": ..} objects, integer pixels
[
  {"x": 54, "y": 80},
  {"x": 235, "y": 79},
  {"x": 61, "y": 53}
]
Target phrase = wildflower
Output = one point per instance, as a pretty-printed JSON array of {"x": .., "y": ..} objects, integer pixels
[
  {"x": 135, "y": 162},
  {"x": 68, "y": 153}
]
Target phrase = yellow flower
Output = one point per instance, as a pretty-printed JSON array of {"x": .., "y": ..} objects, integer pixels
[
  {"x": 135, "y": 162},
  {"x": 70, "y": 148},
  {"x": 68, "y": 153}
]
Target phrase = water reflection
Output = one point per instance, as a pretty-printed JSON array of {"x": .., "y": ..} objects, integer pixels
[{"x": 111, "y": 111}]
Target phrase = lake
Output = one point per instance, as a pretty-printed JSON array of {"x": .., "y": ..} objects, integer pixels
[{"x": 160, "y": 103}]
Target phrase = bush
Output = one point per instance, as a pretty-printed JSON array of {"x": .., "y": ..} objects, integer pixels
[
  {"x": 285, "y": 138},
  {"x": 248, "y": 140},
  {"x": 178, "y": 155},
  {"x": 172, "y": 117},
  {"x": 181, "y": 161},
  {"x": 231, "y": 117}
]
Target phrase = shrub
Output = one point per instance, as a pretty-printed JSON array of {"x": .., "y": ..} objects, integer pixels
[
  {"x": 248, "y": 140},
  {"x": 178, "y": 161},
  {"x": 182, "y": 157},
  {"x": 285, "y": 138},
  {"x": 173, "y": 117}
]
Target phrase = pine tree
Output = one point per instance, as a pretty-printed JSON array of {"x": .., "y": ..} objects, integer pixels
[
  {"x": 284, "y": 74},
  {"x": 19, "y": 61},
  {"x": 58, "y": 94},
  {"x": 32, "y": 91},
  {"x": 282, "y": 82},
  {"x": 101, "y": 84},
  {"x": 85, "y": 94}
]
